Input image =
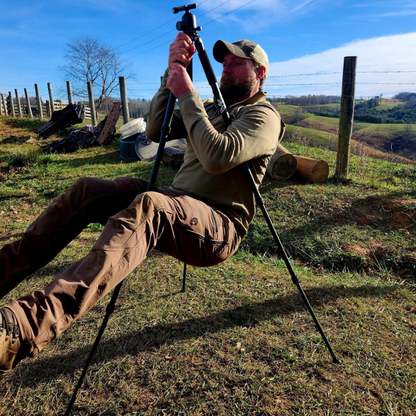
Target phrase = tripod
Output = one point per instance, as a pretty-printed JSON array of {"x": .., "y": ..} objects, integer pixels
[{"x": 188, "y": 26}]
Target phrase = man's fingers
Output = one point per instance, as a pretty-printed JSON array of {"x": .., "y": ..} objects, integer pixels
[
  {"x": 183, "y": 36},
  {"x": 181, "y": 50}
]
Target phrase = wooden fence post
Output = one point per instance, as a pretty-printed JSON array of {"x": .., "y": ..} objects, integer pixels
[
  {"x": 11, "y": 105},
  {"x": 51, "y": 97},
  {"x": 19, "y": 106},
  {"x": 69, "y": 91},
  {"x": 29, "y": 108},
  {"x": 48, "y": 109},
  {"x": 346, "y": 116},
  {"x": 39, "y": 101},
  {"x": 124, "y": 101},
  {"x": 3, "y": 100},
  {"x": 92, "y": 105}
]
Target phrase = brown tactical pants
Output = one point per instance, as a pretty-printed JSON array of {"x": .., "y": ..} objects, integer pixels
[{"x": 135, "y": 221}]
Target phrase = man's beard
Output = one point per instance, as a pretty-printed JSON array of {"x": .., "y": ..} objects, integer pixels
[{"x": 233, "y": 92}]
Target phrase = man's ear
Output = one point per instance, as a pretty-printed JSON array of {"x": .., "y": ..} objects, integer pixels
[{"x": 261, "y": 72}]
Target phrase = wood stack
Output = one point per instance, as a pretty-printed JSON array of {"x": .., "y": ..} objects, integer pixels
[
  {"x": 61, "y": 119},
  {"x": 89, "y": 135},
  {"x": 283, "y": 165}
]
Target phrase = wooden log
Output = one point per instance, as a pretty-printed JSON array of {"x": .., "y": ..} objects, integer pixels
[
  {"x": 173, "y": 157},
  {"x": 311, "y": 169},
  {"x": 282, "y": 164},
  {"x": 110, "y": 124}
]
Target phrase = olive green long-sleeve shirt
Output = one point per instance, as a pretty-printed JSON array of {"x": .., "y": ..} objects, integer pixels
[{"x": 210, "y": 171}]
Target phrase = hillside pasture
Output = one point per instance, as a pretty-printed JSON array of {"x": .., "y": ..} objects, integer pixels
[{"x": 240, "y": 340}]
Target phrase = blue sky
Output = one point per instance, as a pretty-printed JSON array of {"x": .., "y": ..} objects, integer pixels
[{"x": 306, "y": 41}]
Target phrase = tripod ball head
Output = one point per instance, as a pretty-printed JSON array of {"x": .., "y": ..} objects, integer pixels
[{"x": 188, "y": 22}]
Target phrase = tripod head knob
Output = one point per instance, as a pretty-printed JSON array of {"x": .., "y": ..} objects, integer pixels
[
  {"x": 184, "y": 8},
  {"x": 188, "y": 22}
]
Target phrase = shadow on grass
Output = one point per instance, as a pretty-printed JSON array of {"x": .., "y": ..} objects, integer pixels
[{"x": 152, "y": 337}]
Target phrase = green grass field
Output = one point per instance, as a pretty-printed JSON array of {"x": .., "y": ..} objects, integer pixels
[{"x": 240, "y": 340}]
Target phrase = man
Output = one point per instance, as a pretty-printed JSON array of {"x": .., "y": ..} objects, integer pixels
[{"x": 201, "y": 219}]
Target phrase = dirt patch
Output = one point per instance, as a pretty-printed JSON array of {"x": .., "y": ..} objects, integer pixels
[
  {"x": 391, "y": 213},
  {"x": 375, "y": 250},
  {"x": 395, "y": 213},
  {"x": 403, "y": 213}
]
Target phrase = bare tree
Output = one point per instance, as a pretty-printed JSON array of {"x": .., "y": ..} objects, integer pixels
[{"x": 89, "y": 61}]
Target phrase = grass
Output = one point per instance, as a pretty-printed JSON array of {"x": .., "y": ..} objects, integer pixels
[
  {"x": 377, "y": 140},
  {"x": 240, "y": 340}
]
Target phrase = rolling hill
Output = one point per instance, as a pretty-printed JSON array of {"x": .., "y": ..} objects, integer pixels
[{"x": 391, "y": 141}]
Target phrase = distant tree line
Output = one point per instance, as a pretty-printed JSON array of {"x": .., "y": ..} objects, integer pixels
[
  {"x": 406, "y": 96},
  {"x": 308, "y": 100},
  {"x": 137, "y": 107},
  {"x": 365, "y": 110},
  {"x": 403, "y": 113}
]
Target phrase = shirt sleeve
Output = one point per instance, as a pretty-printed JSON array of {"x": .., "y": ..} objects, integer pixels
[
  {"x": 157, "y": 113},
  {"x": 253, "y": 133}
]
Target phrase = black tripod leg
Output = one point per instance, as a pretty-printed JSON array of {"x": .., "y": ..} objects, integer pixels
[
  {"x": 247, "y": 172},
  {"x": 165, "y": 130},
  {"x": 184, "y": 278},
  {"x": 295, "y": 279},
  {"x": 109, "y": 310}
]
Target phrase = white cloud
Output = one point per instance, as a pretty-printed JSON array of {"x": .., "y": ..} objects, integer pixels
[
  {"x": 401, "y": 13},
  {"x": 264, "y": 12},
  {"x": 378, "y": 62}
]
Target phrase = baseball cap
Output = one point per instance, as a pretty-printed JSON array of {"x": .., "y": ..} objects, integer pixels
[{"x": 243, "y": 49}]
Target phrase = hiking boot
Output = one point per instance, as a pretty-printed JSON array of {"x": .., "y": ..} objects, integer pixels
[{"x": 9, "y": 341}]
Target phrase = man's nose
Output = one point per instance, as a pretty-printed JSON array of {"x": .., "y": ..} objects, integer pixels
[{"x": 226, "y": 69}]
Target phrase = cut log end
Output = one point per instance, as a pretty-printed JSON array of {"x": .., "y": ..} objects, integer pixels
[
  {"x": 311, "y": 169},
  {"x": 282, "y": 164},
  {"x": 173, "y": 157}
]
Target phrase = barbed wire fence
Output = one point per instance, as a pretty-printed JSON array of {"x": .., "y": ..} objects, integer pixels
[{"x": 16, "y": 105}]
